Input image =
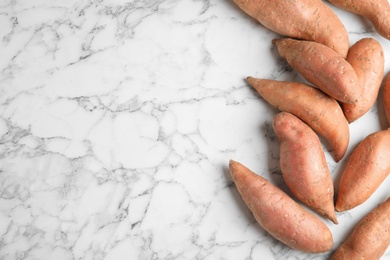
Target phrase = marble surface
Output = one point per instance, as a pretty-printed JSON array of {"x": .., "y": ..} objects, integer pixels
[{"x": 117, "y": 122}]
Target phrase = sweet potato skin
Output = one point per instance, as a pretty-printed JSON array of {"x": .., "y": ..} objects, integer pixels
[
  {"x": 370, "y": 238},
  {"x": 279, "y": 214},
  {"x": 376, "y": 11},
  {"x": 321, "y": 66},
  {"x": 367, "y": 59},
  {"x": 386, "y": 96},
  {"x": 303, "y": 164},
  {"x": 321, "y": 112},
  {"x": 366, "y": 169},
  {"x": 302, "y": 19}
]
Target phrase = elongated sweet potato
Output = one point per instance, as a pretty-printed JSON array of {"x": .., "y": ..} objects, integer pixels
[
  {"x": 303, "y": 164},
  {"x": 376, "y": 11},
  {"x": 321, "y": 66},
  {"x": 279, "y": 214},
  {"x": 386, "y": 96},
  {"x": 315, "y": 108},
  {"x": 370, "y": 238},
  {"x": 366, "y": 169},
  {"x": 302, "y": 19},
  {"x": 367, "y": 59}
]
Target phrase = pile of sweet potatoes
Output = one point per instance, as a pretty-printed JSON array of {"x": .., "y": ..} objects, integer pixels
[{"x": 343, "y": 83}]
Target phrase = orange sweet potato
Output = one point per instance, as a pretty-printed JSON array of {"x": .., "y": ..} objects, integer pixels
[
  {"x": 370, "y": 238},
  {"x": 302, "y": 19},
  {"x": 321, "y": 112},
  {"x": 386, "y": 96},
  {"x": 376, "y": 11},
  {"x": 303, "y": 164},
  {"x": 279, "y": 214},
  {"x": 321, "y": 66},
  {"x": 367, "y": 167},
  {"x": 367, "y": 59}
]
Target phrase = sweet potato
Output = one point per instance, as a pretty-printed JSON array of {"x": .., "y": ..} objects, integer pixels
[
  {"x": 386, "y": 96},
  {"x": 366, "y": 168},
  {"x": 367, "y": 59},
  {"x": 301, "y": 19},
  {"x": 315, "y": 108},
  {"x": 370, "y": 238},
  {"x": 321, "y": 66},
  {"x": 376, "y": 11},
  {"x": 279, "y": 214},
  {"x": 303, "y": 164}
]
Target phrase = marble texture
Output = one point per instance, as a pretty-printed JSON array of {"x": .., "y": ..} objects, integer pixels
[{"x": 117, "y": 121}]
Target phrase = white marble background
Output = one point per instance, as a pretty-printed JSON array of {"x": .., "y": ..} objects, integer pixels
[{"x": 117, "y": 121}]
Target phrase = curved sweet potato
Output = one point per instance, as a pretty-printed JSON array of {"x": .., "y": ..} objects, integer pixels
[
  {"x": 301, "y": 19},
  {"x": 321, "y": 112},
  {"x": 370, "y": 238},
  {"x": 303, "y": 164},
  {"x": 279, "y": 214},
  {"x": 367, "y": 59},
  {"x": 386, "y": 96},
  {"x": 366, "y": 169},
  {"x": 376, "y": 11},
  {"x": 321, "y": 66}
]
